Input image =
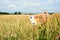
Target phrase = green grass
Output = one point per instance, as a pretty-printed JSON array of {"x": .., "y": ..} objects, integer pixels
[{"x": 17, "y": 27}]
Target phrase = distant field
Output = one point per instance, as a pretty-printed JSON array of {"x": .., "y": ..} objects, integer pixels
[{"x": 18, "y": 27}]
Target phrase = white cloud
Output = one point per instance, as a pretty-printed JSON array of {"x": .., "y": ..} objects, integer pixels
[
  {"x": 7, "y": 1},
  {"x": 12, "y": 6},
  {"x": 25, "y": 5},
  {"x": 46, "y": 3},
  {"x": 50, "y": 1},
  {"x": 31, "y": 4},
  {"x": 35, "y": 4}
]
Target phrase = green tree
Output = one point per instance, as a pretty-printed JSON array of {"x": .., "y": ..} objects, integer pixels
[
  {"x": 4, "y": 13},
  {"x": 19, "y": 13},
  {"x": 15, "y": 13},
  {"x": 50, "y": 13}
]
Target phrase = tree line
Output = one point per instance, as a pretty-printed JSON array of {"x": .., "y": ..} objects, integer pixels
[
  {"x": 19, "y": 13},
  {"x": 10, "y": 13}
]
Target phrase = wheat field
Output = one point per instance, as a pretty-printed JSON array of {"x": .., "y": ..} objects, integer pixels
[{"x": 18, "y": 27}]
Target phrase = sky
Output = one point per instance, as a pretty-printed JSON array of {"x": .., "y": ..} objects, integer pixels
[{"x": 29, "y": 6}]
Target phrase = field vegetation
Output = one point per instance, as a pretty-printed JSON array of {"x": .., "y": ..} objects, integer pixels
[{"x": 18, "y": 27}]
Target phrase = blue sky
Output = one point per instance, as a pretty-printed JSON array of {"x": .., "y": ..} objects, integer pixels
[{"x": 29, "y": 6}]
